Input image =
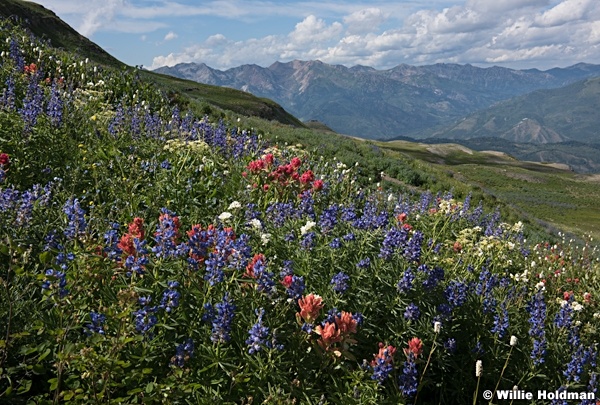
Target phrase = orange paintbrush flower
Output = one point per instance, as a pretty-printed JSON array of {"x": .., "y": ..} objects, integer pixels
[
  {"x": 310, "y": 306},
  {"x": 415, "y": 346},
  {"x": 346, "y": 323}
]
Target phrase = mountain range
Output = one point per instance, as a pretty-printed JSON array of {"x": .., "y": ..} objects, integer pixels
[{"x": 410, "y": 101}]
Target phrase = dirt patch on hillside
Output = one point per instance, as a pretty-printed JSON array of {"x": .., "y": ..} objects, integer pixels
[{"x": 446, "y": 149}]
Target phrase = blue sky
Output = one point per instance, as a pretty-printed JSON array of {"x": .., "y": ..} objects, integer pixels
[{"x": 382, "y": 34}]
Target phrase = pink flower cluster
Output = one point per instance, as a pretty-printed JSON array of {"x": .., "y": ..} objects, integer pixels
[{"x": 267, "y": 175}]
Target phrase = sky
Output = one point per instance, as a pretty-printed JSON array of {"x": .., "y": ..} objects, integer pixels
[{"x": 518, "y": 34}]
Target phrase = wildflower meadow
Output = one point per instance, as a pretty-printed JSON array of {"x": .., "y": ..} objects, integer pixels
[{"x": 150, "y": 254}]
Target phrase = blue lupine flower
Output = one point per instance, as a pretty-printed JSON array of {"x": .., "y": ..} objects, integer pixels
[
  {"x": 408, "y": 381},
  {"x": 111, "y": 240},
  {"x": 592, "y": 387},
  {"x": 576, "y": 365},
  {"x": 117, "y": 122},
  {"x": 278, "y": 213},
  {"x": 412, "y": 312},
  {"x": 335, "y": 243},
  {"x": 221, "y": 322},
  {"x": 412, "y": 251},
  {"x": 170, "y": 298},
  {"x": 97, "y": 325},
  {"x": 383, "y": 364},
  {"x": 136, "y": 264},
  {"x": 371, "y": 219},
  {"x": 364, "y": 263},
  {"x": 456, "y": 293},
  {"x": 75, "y": 215},
  {"x": 536, "y": 308},
  {"x": 33, "y": 101},
  {"x": 358, "y": 317},
  {"x": 209, "y": 313},
  {"x": 406, "y": 283},
  {"x": 328, "y": 218},
  {"x": 57, "y": 281},
  {"x": 450, "y": 345},
  {"x": 307, "y": 327},
  {"x": 348, "y": 214},
  {"x": 485, "y": 288},
  {"x": 434, "y": 276},
  {"x": 7, "y": 101},
  {"x": 501, "y": 322},
  {"x": 331, "y": 315},
  {"x": 308, "y": 241},
  {"x": 563, "y": 318},
  {"x": 145, "y": 318},
  {"x": 394, "y": 239},
  {"x": 54, "y": 109},
  {"x": 166, "y": 235},
  {"x": 296, "y": 288},
  {"x": 349, "y": 237},
  {"x": 165, "y": 164},
  {"x": 183, "y": 353},
  {"x": 251, "y": 212},
  {"x": 258, "y": 334},
  {"x": 306, "y": 206},
  {"x": 340, "y": 282},
  {"x": 264, "y": 278}
]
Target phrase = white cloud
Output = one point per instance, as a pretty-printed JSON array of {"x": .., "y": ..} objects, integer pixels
[
  {"x": 364, "y": 21},
  {"x": 565, "y": 12},
  {"x": 379, "y": 33},
  {"x": 313, "y": 29},
  {"x": 170, "y": 36},
  {"x": 97, "y": 17}
]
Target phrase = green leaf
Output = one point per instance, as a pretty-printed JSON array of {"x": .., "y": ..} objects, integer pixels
[
  {"x": 45, "y": 354},
  {"x": 45, "y": 257},
  {"x": 25, "y": 386},
  {"x": 149, "y": 387},
  {"x": 147, "y": 371}
]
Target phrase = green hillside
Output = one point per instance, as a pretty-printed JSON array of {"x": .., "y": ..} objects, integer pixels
[
  {"x": 542, "y": 114},
  {"x": 188, "y": 94},
  {"x": 161, "y": 256}
]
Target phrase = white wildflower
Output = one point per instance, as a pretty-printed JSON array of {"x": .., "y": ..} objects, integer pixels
[
  {"x": 234, "y": 205},
  {"x": 225, "y": 216},
  {"x": 576, "y": 306},
  {"x": 305, "y": 228},
  {"x": 265, "y": 238},
  {"x": 478, "y": 368},
  {"x": 255, "y": 223},
  {"x": 513, "y": 340},
  {"x": 437, "y": 327}
]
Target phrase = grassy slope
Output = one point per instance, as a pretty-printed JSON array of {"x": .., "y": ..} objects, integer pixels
[
  {"x": 45, "y": 24},
  {"x": 556, "y": 197},
  {"x": 547, "y": 194}
]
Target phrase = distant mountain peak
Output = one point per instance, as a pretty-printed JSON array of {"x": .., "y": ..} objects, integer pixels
[{"x": 405, "y": 100}]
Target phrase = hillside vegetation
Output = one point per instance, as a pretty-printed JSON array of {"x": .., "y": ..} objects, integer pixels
[
  {"x": 151, "y": 254},
  {"x": 47, "y": 26}
]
